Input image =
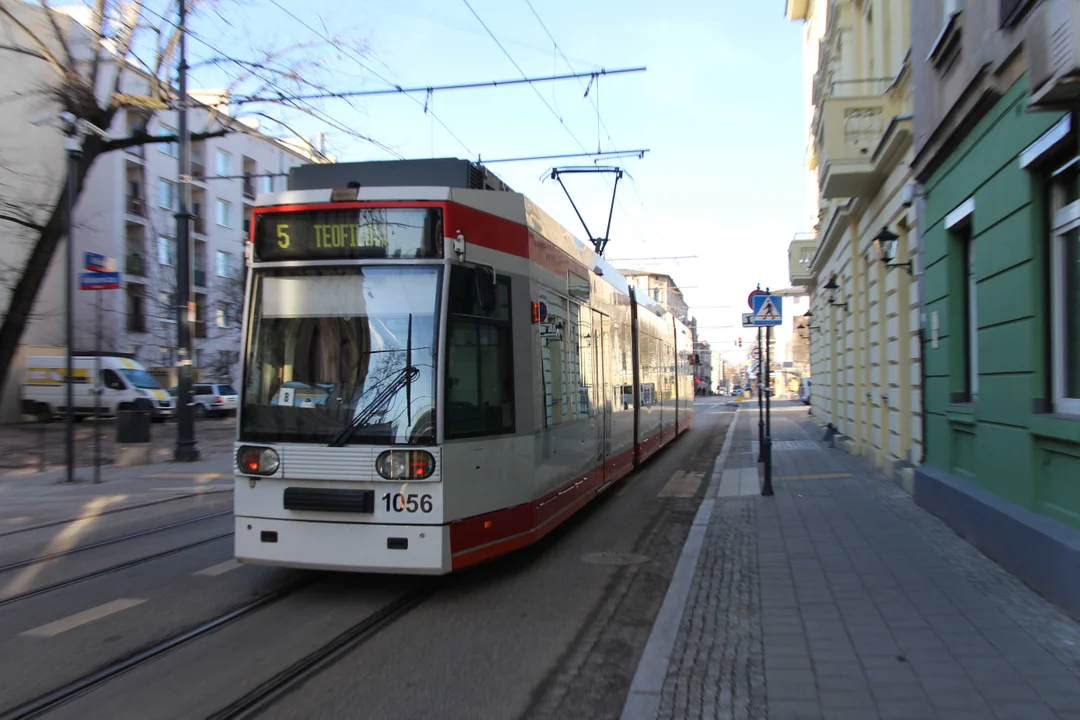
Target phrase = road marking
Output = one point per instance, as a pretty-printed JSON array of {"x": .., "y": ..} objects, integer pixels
[
  {"x": 197, "y": 489},
  {"x": 82, "y": 618},
  {"x": 682, "y": 484},
  {"x": 819, "y": 476},
  {"x": 219, "y": 569}
]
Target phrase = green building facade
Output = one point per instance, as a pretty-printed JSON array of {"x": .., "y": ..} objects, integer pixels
[{"x": 1001, "y": 340}]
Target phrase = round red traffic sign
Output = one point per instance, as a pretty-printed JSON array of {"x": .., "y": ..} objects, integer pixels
[
  {"x": 755, "y": 354},
  {"x": 753, "y": 294}
]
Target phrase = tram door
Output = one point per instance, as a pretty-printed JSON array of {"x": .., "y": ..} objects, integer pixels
[{"x": 601, "y": 397}]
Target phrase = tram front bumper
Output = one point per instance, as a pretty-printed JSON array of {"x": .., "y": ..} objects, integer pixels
[{"x": 348, "y": 547}]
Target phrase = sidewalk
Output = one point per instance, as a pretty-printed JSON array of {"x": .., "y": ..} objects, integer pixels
[{"x": 839, "y": 598}]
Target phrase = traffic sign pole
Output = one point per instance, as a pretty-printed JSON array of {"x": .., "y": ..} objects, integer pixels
[
  {"x": 760, "y": 412},
  {"x": 767, "y": 489}
]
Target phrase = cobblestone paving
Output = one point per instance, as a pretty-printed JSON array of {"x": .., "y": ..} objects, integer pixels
[{"x": 860, "y": 604}]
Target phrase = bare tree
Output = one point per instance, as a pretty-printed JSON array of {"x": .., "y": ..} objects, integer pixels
[{"x": 121, "y": 50}]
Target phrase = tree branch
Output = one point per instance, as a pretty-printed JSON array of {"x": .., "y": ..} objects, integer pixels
[
  {"x": 49, "y": 13},
  {"x": 24, "y": 51},
  {"x": 45, "y": 52},
  {"x": 135, "y": 140},
  {"x": 23, "y": 222}
]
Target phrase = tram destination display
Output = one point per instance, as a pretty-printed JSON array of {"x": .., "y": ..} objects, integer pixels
[{"x": 358, "y": 233}]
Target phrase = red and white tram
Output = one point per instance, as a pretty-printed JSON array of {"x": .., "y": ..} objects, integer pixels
[{"x": 436, "y": 375}]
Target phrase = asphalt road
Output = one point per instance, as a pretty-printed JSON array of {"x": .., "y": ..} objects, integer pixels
[{"x": 553, "y": 631}]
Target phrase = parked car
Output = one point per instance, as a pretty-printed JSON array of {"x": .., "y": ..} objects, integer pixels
[{"x": 212, "y": 398}]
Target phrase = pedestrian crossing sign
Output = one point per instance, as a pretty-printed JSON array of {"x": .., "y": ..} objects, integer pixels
[{"x": 768, "y": 310}]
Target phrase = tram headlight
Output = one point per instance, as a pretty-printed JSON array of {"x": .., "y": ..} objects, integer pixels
[
  {"x": 405, "y": 464},
  {"x": 257, "y": 460}
]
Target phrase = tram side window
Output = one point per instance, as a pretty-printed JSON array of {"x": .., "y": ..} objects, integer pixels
[{"x": 479, "y": 372}]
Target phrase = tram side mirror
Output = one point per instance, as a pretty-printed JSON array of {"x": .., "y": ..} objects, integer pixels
[{"x": 485, "y": 288}]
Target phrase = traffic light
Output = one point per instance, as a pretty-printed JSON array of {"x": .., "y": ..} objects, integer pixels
[{"x": 740, "y": 342}]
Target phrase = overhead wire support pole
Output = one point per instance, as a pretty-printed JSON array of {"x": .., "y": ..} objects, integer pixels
[
  {"x": 74, "y": 148},
  {"x": 186, "y": 449},
  {"x": 427, "y": 89}
]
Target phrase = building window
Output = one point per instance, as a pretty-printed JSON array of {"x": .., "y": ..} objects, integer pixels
[
  {"x": 167, "y": 251},
  {"x": 1065, "y": 288},
  {"x": 168, "y": 198},
  {"x": 224, "y": 163},
  {"x": 165, "y": 356},
  {"x": 479, "y": 369},
  {"x": 225, "y": 266},
  {"x": 224, "y": 315},
  {"x": 266, "y": 184},
  {"x": 224, "y": 213},
  {"x": 172, "y": 149},
  {"x": 168, "y": 306}
]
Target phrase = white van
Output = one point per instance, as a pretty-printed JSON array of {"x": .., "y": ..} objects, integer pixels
[
  {"x": 804, "y": 390},
  {"x": 123, "y": 381}
]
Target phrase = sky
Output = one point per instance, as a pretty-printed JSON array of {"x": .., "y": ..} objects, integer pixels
[{"x": 720, "y": 109}]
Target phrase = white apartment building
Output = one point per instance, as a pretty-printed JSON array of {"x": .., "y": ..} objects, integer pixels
[{"x": 126, "y": 212}]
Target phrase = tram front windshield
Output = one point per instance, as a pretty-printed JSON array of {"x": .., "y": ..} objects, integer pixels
[{"x": 342, "y": 356}]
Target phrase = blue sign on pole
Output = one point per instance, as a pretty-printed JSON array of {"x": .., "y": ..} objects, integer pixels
[
  {"x": 768, "y": 310},
  {"x": 99, "y": 281}
]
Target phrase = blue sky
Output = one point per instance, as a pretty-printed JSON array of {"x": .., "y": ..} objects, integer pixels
[{"x": 720, "y": 109}]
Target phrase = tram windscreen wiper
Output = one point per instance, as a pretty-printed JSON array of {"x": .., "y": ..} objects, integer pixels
[{"x": 404, "y": 377}]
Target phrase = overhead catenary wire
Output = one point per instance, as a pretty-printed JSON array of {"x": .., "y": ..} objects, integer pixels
[
  {"x": 599, "y": 120},
  {"x": 427, "y": 109},
  {"x": 306, "y": 108},
  {"x": 428, "y": 89}
]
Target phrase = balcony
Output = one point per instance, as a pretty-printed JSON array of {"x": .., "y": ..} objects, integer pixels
[
  {"x": 199, "y": 225},
  {"x": 138, "y": 151},
  {"x": 800, "y": 255},
  {"x": 199, "y": 277},
  {"x": 249, "y": 187},
  {"x": 198, "y": 171},
  {"x": 136, "y": 206},
  {"x": 135, "y": 265},
  {"x": 199, "y": 329},
  {"x": 850, "y": 123}
]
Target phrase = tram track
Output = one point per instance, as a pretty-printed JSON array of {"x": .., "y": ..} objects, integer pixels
[
  {"x": 111, "y": 541},
  {"x": 77, "y": 688},
  {"x": 111, "y": 569},
  {"x": 264, "y": 695}
]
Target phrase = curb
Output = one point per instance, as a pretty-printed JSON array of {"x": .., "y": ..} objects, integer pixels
[{"x": 643, "y": 700}]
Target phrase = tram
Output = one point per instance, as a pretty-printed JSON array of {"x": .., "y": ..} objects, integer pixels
[{"x": 435, "y": 372}]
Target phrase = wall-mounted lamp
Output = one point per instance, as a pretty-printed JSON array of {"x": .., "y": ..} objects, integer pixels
[
  {"x": 885, "y": 244},
  {"x": 830, "y": 289},
  {"x": 809, "y": 315}
]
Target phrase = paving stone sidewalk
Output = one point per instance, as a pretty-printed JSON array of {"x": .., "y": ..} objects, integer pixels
[{"x": 839, "y": 598}]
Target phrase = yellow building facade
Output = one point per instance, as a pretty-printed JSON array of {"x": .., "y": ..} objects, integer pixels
[{"x": 864, "y": 325}]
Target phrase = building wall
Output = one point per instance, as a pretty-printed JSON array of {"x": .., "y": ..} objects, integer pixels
[
  {"x": 1004, "y": 437},
  {"x": 864, "y": 350}
]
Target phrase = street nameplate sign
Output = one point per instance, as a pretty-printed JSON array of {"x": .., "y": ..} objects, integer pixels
[
  {"x": 768, "y": 310},
  {"x": 95, "y": 262},
  {"x": 99, "y": 281}
]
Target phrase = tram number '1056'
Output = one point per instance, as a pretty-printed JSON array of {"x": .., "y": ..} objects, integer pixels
[{"x": 400, "y": 502}]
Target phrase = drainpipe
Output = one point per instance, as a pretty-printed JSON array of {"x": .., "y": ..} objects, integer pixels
[{"x": 920, "y": 225}]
